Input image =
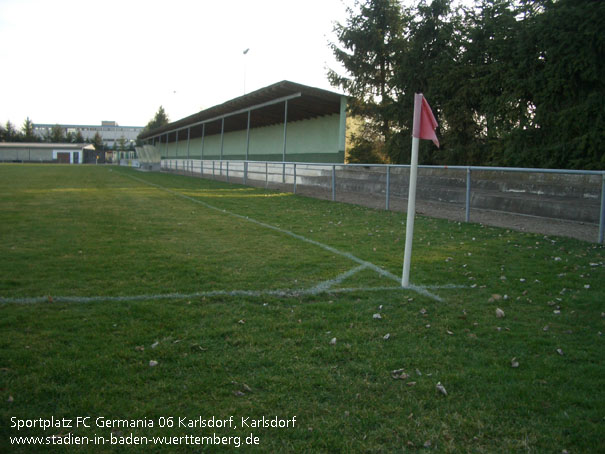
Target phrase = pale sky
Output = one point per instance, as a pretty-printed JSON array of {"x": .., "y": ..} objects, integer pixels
[{"x": 84, "y": 61}]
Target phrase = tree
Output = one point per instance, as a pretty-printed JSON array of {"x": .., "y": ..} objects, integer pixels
[
  {"x": 567, "y": 84},
  {"x": 493, "y": 43},
  {"x": 121, "y": 143},
  {"x": 79, "y": 138},
  {"x": 160, "y": 119},
  {"x": 511, "y": 82},
  {"x": 57, "y": 134},
  {"x": 367, "y": 48},
  {"x": 391, "y": 53},
  {"x": 536, "y": 79},
  {"x": 429, "y": 64},
  {"x": 97, "y": 142},
  {"x": 27, "y": 131},
  {"x": 10, "y": 133}
]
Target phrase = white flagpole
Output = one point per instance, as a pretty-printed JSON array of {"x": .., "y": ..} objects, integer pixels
[{"x": 409, "y": 226}]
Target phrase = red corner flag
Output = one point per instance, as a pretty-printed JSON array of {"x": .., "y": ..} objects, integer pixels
[
  {"x": 424, "y": 128},
  {"x": 424, "y": 120}
]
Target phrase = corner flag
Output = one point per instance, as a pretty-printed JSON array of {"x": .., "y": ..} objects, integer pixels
[{"x": 423, "y": 128}]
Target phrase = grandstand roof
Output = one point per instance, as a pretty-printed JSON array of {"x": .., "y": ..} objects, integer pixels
[{"x": 266, "y": 107}]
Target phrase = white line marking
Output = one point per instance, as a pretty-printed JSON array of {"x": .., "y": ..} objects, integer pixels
[
  {"x": 327, "y": 285},
  {"x": 366, "y": 264},
  {"x": 211, "y": 293}
]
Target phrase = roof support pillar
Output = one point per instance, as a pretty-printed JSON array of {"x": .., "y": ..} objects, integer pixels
[
  {"x": 222, "y": 135},
  {"x": 248, "y": 136},
  {"x": 285, "y": 129},
  {"x": 176, "y": 145},
  {"x": 188, "y": 139},
  {"x": 203, "y": 134},
  {"x": 343, "y": 124}
]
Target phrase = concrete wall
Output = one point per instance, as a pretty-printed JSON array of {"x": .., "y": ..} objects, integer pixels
[{"x": 315, "y": 140}]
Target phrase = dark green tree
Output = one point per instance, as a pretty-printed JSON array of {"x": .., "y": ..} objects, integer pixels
[
  {"x": 97, "y": 141},
  {"x": 10, "y": 133},
  {"x": 429, "y": 64},
  {"x": 160, "y": 119},
  {"x": 121, "y": 144},
  {"x": 27, "y": 131},
  {"x": 511, "y": 82},
  {"x": 57, "y": 134},
  {"x": 367, "y": 47},
  {"x": 79, "y": 138},
  {"x": 567, "y": 87}
]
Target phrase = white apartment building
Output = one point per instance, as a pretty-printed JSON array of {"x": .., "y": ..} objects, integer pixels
[{"x": 110, "y": 131}]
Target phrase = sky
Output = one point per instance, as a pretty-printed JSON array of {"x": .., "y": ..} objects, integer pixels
[{"x": 87, "y": 61}]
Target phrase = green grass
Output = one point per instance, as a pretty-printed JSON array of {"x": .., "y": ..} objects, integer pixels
[{"x": 83, "y": 231}]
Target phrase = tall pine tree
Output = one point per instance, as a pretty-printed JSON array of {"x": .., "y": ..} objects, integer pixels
[
  {"x": 367, "y": 47},
  {"x": 160, "y": 119},
  {"x": 27, "y": 131},
  {"x": 569, "y": 85}
]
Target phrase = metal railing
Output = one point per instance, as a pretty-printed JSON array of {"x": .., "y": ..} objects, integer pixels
[{"x": 325, "y": 176}]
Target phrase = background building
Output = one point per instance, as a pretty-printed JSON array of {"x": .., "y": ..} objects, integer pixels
[
  {"x": 110, "y": 132},
  {"x": 60, "y": 153}
]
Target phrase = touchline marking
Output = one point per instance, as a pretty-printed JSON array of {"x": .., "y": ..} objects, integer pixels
[
  {"x": 366, "y": 264},
  {"x": 211, "y": 293}
]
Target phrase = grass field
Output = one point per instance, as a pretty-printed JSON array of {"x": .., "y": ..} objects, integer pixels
[{"x": 156, "y": 299}]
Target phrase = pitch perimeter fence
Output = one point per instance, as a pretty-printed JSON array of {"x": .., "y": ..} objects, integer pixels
[{"x": 549, "y": 194}]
